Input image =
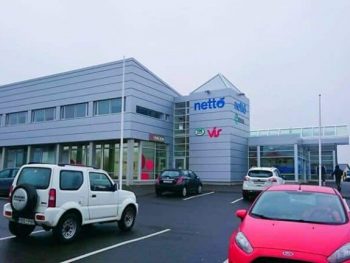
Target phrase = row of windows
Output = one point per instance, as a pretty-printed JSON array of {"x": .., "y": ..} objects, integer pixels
[{"x": 73, "y": 111}]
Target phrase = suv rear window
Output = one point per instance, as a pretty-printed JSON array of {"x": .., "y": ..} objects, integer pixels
[
  {"x": 259, "y": 173},
  {"x": 37, "y": 177}
]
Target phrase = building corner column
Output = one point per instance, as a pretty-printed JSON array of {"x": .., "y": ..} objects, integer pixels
[
  {"x": 29, "y": 149},
  {"x": 58, "y": 152},
  {"x": 2, "y": 160},
  {"x": 130, "y": 162}
]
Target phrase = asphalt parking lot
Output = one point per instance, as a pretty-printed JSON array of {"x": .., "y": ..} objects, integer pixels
[{"x": 168, "y": 229}]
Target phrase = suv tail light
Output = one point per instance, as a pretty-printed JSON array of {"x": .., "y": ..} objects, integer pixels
[
  {"x": 52, "y": 198},
  {"x": 180, "y": 180},
  {"x": 246, "y": 178},
  {"x": 273, "y": 180}
]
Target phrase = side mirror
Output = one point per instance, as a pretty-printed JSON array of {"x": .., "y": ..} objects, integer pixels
[
  {"x": 116, "y": 187},
  {"x": 241, "y": 214}
]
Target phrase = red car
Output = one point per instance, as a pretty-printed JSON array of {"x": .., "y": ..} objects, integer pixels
[{"x": 293, "y": 223}]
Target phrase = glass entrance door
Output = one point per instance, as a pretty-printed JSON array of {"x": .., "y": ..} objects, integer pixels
[{"x": 180, "y": 163}]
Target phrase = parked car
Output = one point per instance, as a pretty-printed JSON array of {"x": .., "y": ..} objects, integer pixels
[
  {"x": 258, "y": 178},
  {"x": 293, "y": 223},
  {"x": 178, "y": 181},
  {"x": 6, "y": 179},
  {"x": 65, "y": 197}
]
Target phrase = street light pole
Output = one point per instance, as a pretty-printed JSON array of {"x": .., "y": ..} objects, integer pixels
[
  {"x": 319, "y": 143},
  {"x": 121, "y": 144}
]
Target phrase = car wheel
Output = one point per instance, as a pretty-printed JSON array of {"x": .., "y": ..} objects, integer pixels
[
  {"x": 68, "y": 228},
  {"x": 199, "y": 189},
  {"x": 184, "y": 191},
  {"x": 158, "y": 193},
  {"x": 127, "y": 220},
  {"x": 20, "y": 230}
]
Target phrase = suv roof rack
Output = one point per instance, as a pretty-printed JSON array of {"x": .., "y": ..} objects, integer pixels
[{"x": 78, "y": 165}]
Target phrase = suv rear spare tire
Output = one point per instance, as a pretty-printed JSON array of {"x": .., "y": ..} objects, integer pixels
[{"x": 23, "y": 200}]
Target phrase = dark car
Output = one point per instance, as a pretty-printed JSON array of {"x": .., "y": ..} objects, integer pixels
[
  {"x": 6, "y": 179},
  {"x": 178, "y": 181}
]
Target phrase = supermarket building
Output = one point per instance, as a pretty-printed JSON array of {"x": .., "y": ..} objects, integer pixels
[{"x": 74, "y": 117}]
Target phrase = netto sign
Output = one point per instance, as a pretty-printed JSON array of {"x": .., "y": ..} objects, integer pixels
[
  {"x": 240, "y": 106},
  {"x": 210, "y": 104}
]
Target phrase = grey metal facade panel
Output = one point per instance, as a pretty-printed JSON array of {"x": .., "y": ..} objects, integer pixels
[
  {"x": 88, "y": 85},
  {"x": 209, "y": 154}
]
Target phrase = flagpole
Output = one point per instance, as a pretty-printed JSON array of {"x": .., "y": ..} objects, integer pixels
[
  {"x": 121, "y": 149},
  {"x": 319, "y": 142}
]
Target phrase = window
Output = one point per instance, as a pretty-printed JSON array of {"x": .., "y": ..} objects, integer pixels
[
  {"x": 16, "y": 118},
  {"x": 74, "y": 111},
  {"x": 152, "y": 113},
  {"x": 5, "y": 173},
  {"x": 100, "y": 182},
  {"x": 40, "y": 115},
  {"x": 71, "y": 180},
  {"x": 37, "y": 177},
  {"x": 109, "y": 106}
]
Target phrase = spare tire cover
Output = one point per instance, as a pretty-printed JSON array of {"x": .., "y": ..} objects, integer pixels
[{"x": 23, "y": 199}]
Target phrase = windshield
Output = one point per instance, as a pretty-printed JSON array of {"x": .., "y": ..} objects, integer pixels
[
  {"x": 300, "y": 206},
  {"x": 37, "y": 177},
  {"x": 170, "y": 174},
  {"x": 260, "y": 173}
]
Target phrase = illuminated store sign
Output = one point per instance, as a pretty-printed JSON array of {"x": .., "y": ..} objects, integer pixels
[
  {"x": 210, "y": 104},
  {"x": 199, "y": 131},
  {"x": 156, "y": 138},
  {"x": 238, "y": 119},
  {"x": 240, "y": 106},
  {"x": 212, "y": 133}
]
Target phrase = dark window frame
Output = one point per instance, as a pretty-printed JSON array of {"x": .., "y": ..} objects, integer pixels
[{"x": 71, "y": 189}]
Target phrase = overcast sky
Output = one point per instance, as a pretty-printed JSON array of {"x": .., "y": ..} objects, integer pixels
[{"x": 282, "y": 54}]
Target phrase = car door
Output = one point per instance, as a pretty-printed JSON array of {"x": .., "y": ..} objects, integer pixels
[
  {"x": 191, "y": 180},
  {"x": 102, "y": 196},
  {"x": 196, "y": 179},
  {"x": 6, "y": 180}
]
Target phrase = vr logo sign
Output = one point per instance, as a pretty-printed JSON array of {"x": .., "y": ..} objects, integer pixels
[
  {"x": 210, "y": 104},
  {"x": 212, "y": 133}
]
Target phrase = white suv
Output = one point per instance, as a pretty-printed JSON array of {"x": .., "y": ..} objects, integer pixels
[
  {"x": 259, "y": 178},
  {"x": 65, "y": 197}
]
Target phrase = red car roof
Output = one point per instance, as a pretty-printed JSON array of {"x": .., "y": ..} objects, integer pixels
[{"x": 307, "y": 188}]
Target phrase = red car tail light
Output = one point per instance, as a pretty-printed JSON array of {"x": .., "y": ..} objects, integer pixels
[
  {"x": 52, "y": 198},
  {"x": 40, "y": 217},
  {"x": 180, "y": 180},
  {"x": 8, "y": 213}
]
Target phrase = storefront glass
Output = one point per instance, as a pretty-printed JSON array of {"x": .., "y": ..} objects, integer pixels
[
  {"x": 154, "y": 159},
  {"x": 74, "y": 154},
  {"x": 15, "y": 157},
  {"x": 43, "y": 154}
]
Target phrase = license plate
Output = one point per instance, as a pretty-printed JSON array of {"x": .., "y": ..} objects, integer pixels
[
  {"x": 167, "y": 181},
  {"x": 26, "y": 221}
]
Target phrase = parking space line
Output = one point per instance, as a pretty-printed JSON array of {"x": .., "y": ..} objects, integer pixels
[
  {"x": 195, "y": 196},
  {"x": 115, "y": 246},
  {"x": 237, "y": 200},
  {"x": 9, "y": 237}
]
